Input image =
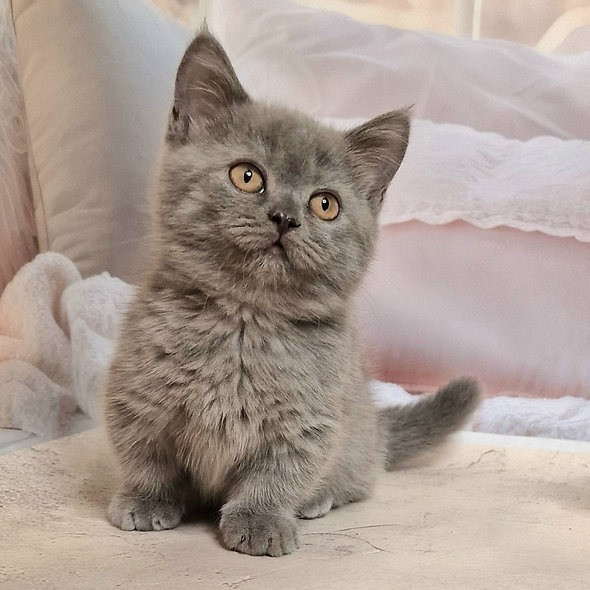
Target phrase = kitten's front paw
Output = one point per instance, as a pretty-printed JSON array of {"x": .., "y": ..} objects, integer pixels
[
  {"x": 258, "y": 533},
  {"x": 132, "y": 513}
]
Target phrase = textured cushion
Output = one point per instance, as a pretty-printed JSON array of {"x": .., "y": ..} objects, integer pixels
[{"x": 97, "y": 80}]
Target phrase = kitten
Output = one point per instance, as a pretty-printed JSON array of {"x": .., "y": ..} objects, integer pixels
[{"x": 238, "y": 379}]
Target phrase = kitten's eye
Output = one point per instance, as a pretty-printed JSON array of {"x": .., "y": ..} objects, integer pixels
[
  {"x": 325, "y": 206},
  {"x": 246, "y": 178}
]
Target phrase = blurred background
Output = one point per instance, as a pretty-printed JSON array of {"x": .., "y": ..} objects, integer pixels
[{"x": 549, "y": 25}]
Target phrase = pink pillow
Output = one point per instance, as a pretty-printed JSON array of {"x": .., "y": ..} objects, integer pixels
[{"x": 508, "y": 306}]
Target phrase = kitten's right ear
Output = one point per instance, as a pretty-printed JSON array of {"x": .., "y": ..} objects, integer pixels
[
  {"x": 376, "y": 150},
  {"x": 206, "y": 88}
]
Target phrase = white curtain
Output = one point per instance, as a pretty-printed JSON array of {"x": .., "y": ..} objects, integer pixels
[{"x": 17, "y": 241}]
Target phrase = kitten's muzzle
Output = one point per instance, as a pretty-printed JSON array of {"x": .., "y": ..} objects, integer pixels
[{"x": 285, "y": 223}]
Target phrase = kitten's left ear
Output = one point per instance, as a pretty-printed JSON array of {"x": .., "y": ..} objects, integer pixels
[
  {"x": 376, "y": 150},
  {"x": 206, "y": 87}
]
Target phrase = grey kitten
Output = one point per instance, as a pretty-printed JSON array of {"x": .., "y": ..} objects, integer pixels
[{"x": 238, "y": 381}]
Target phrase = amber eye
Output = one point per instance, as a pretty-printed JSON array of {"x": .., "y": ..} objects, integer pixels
[
  {"x": 325, "y": 206},
  {"x": 247, "y": 178}
]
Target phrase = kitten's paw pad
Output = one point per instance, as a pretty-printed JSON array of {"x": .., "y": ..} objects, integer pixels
[
  {"x": 316, "y": 508},
  {"x": 259, "y": 533},
  {"x": 131, "y": 513}
]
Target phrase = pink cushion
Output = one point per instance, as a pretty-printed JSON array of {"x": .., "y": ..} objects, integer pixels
[{"x": 508, "y": 306}]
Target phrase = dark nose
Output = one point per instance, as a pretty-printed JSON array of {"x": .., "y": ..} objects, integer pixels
[{"x": 284, "y": 222}]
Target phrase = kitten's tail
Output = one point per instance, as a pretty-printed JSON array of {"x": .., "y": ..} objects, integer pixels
[{"x": 411, "y": 429}]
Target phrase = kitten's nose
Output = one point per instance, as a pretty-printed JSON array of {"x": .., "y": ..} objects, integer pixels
[{"x": 283, "y": 221}]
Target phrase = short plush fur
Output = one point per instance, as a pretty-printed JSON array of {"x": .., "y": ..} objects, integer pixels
[{"x": 238, "y": 381}]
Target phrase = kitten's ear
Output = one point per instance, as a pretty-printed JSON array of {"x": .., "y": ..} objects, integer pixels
[
  {"x": 376, "y": 150},
  {"x": 206, "y": 87}
]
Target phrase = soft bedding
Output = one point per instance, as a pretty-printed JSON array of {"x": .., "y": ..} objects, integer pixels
[
  {"x": 58, "y": 334},
  {"x": 483, "y": 260},
  {"x": 97, "y": 80}
]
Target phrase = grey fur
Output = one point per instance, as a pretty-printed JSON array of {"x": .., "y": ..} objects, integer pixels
[{"x": 238, "y": 380}]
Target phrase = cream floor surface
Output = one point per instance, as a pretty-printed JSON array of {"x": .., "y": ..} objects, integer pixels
[{"x": 479, "y": 515}]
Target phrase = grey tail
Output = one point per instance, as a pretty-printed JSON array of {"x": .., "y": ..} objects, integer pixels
[{"x": 409, "y": 430}]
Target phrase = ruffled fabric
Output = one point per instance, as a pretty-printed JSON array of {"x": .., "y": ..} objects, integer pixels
[{"x": 451, "y": 172}]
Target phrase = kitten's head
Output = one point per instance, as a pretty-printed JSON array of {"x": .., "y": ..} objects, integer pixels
[{"x": 260, "y": 203}]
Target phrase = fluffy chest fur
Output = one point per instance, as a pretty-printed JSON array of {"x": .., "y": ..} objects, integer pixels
[{"x": 238, "y": 382}]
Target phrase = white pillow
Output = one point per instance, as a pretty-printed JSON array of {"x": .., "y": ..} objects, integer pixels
[
  {"x": 97, "y": 80},
  {"x": 332, "y": 66}
]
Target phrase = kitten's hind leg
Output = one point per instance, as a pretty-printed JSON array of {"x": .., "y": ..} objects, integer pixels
[{"x": 317, "y": 507}]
